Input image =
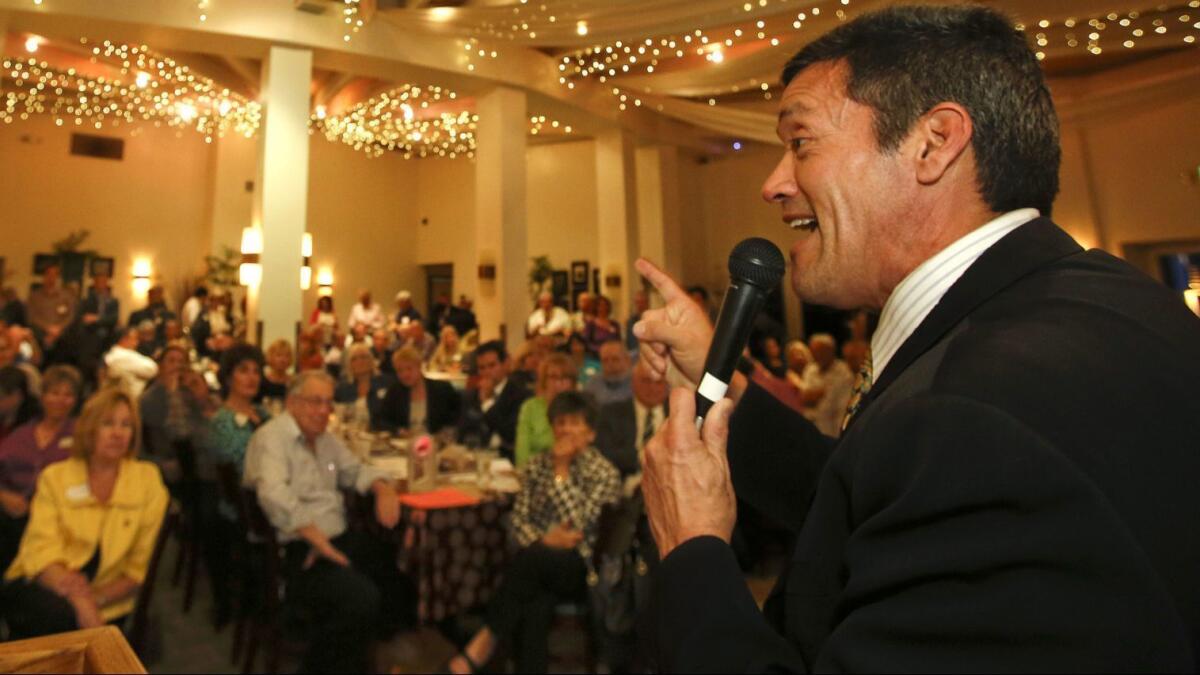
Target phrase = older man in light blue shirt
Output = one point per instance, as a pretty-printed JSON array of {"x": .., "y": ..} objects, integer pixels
[{"x": 297, "y": 468}]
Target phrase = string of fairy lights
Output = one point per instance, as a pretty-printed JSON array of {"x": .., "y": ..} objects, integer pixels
[
  {"x": 148, "y": 87},
  {"x": 1124, "y": 29},
  {"x": 394, "y": 122}
]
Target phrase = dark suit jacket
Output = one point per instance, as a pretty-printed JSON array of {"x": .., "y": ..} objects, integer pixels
[
  {"x": 441, "y": 406},
  {"x": 109, "y": 315},
  {"x": 1017, "y": 493},
  {"x": 616, "y": 435},
  {"x": 501, "y": 418},
  {"x": 347, "y": 392}
]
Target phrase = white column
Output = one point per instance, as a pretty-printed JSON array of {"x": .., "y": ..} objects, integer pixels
[
  {"x": 500, "y": 215},
  {"x": 616, "y": 215},
  {"x": 659, "y": 229},
  {"x": 234, "y": 165},
  {"x": 282, "y": 190}
]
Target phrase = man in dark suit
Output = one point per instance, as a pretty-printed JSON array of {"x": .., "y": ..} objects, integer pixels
[
  {"x": 490, "y": 410},
  {"x": 1015, "y": 489},
  {"x": 623, "y": 427}
]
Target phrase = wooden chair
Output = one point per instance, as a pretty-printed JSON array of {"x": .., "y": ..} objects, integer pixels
[{"x": 139, "y": 621}]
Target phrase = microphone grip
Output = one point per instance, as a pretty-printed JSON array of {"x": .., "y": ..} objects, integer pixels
[{"x": 742, "y": 303}]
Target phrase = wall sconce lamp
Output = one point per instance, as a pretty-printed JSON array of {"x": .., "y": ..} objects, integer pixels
[
  {"x": 1192, "y": 297},
  {"x": 325, "y": 282},
  {"x": 612, "y": 281},
  {"x": 487, "y": 271},
  {"x": 250, "y": 271},
  {"x": 141, "y": 276},
  {"x": 306, "y": 262}
]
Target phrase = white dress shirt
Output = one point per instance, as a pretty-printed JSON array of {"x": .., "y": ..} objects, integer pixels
[
  {"x": 372, "y": 316},
  {"x": 557, "y": 323},
  {"x": 916, "y": 296},
  {"x": 130, "y": 367}
]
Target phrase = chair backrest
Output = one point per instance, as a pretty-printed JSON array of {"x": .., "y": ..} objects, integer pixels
[
  {"x": 229, "y": 486},
  {"x": 140, "y": 621}
]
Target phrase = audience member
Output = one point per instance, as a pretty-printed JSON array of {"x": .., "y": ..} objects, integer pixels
[
  {"x": 415, "y": 337},
  {"x": 556, "y": 374},
  {"x": 93, "y": 524},
  {"x": 51, "y": 307},
  {"x": 601, "y": 327},
  {"x": 366, "y": 312},
  {"x": 554, "y": 521},
  {"x": 381, "y": 351},
  {"x": 277, "y": 374},
  {"x": 148, "y": 344},
  {"x": 641, "y": 303},
  {"x": 447, "y": 358},
  {"x": 12, "y": 310},
  {"x": 770, "y": 355},
  {"x": 491, "y": 409},
  {"x": 324, "y": 318},
  {"x": 798, "y": 358},
  {"x": 461, "y": 316},
  {"x": 586, "y": 311},
  {"x": 828, "y": 384},
  {"x": 613, "y": 384},
  {"x": 625, "y": 426},
  {"x": 12, "y": 339},
  {"x": 18, "y": 405},
  {"x": 525, "y": 363},
  {"x": 405, "y": 312},
  {"x": 155, "y": 310},
  {"x": 229, "y": 429},
  {"x": 415, "y": 402},
  {"x": 335, "y": 353},
  {"x": 548, "y": 319},
  {"x": 127, "y": 367},
  {"x": 212, "y": 331},
  {"x": 174, "y": 410},
  {"x": 586, "y": 363},
  {"x": 308, "y": 350},
  {"x": 364, "y": 387},
  {"x": 344, "y": 578},
  {"x": 192, "y": 309},
  {"x": 173, "y": 334},
  {"x": 30, "y": 448},
  {"x": 99, "y": 315}
]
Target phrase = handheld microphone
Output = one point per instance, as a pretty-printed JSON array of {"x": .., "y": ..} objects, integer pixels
[{"x": 755, "y": 268}]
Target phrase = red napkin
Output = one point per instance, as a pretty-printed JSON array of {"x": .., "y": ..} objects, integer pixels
[{"x": 442, "y": 498}]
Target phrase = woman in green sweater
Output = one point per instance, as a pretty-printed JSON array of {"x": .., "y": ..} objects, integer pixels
[{"x": 556, "y": 374}]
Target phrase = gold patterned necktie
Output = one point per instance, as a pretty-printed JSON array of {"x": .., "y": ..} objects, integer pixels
[{"x": 862, "y": 385}]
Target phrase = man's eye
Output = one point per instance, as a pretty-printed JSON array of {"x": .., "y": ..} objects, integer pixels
[{"x": 796, "y": 143}]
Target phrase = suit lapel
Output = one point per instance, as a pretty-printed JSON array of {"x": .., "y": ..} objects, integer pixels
[{"x": 1020, "y": 253}]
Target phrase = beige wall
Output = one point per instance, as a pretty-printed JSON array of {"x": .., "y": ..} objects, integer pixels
[
  {"x": 362, "y": 213},
  {"x": 152, "y": 204}
]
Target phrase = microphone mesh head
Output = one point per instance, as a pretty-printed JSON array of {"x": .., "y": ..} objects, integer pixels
[{"x": 757, "y": 261}]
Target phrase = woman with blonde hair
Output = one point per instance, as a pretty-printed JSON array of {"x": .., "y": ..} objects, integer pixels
[
  {"x": 92, "y": 527},
  {"x": 556, "y": 374},
  {"x": 363, "y": 386},
  {"x": 415, "y": 401},
  {"x": 447, "y": 358},
  {"x": 275, "y": 376}
]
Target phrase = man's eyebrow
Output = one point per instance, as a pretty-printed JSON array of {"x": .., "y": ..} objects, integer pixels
[{"x": 794, "y": 109}]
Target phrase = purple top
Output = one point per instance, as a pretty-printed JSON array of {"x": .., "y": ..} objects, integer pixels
[{"x": 22, "y": 461}]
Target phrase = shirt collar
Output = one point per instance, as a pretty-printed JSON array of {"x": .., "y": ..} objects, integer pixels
[{"x": 919, "y": 292}]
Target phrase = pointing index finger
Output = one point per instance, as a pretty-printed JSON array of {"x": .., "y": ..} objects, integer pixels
[{"x": 667, "y": 288}]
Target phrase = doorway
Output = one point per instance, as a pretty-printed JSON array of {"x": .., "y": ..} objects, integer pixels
[{"x": 439, "y": 282}]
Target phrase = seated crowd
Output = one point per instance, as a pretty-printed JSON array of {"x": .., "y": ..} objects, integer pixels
[{"x": 102, "y": 424}]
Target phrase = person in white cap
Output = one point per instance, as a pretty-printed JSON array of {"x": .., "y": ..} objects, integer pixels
[{"x": 405, "y": 312}]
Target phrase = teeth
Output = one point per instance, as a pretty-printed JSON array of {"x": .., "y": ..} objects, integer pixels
[{"x": 803, "y": 224}]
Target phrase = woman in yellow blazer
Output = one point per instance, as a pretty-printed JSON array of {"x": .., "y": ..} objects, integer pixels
[{"x": 92, "y": 527}]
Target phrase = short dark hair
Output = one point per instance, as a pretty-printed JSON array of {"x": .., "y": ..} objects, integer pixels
[
  {"x": 573, "y": 403},
  {"x": 492, "y": 347},
  {"x": 234, "y": 357},
  {"x": 904, "y": 60}
]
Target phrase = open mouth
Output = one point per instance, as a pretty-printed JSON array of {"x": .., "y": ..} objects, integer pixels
[{"x": 804, "y": 224}]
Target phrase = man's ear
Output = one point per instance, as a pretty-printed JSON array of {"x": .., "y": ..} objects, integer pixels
[{"x": 942, "y": 136}]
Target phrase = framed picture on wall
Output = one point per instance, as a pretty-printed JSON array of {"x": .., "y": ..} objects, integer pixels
[
  {"x": 43, "y": 260},
  {"x": 560, "y": 285},
  {"x": 100, "y": 266},
  {"x": 579, "y": 273}
]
